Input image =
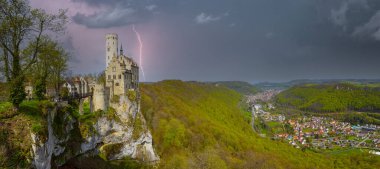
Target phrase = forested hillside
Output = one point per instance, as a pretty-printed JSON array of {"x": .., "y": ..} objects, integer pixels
[
  {"x": 204, "y": 126},
  {"x": 331, "y": 97},
  {"x": 239, "y": 86}
]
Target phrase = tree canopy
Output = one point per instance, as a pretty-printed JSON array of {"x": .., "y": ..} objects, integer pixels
[
  {"x": 331, "y": 98},
  {"x": 22, "y": 32}
]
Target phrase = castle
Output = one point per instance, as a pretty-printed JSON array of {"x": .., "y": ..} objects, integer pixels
[
  {"x": 121, "y": 75},
  {"x": 121, "y": 78}
]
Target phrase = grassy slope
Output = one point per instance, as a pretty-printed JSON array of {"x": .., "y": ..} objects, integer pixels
[
  {"x": 15, "y": 142},
  {"x": 201, "y": 126}
]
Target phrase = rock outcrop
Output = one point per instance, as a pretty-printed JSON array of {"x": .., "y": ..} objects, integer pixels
[
  {"x": 113, "y": 135},
  {"x": 125, "y": 135}
]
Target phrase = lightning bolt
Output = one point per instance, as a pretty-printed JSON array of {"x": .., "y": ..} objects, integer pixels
[{"x": 140, "y": 50}]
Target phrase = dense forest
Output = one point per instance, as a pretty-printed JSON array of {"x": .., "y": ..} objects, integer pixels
[
  {"x": 331, "y": 97},
  {"x": 198, "y": 125},
  {"x": 239, "y": 86}
]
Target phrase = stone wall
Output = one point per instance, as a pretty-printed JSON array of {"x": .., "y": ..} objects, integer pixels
[{"x": 101, "y": 97}]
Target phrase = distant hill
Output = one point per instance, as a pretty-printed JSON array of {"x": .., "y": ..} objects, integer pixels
[
  {"x": 332, "y": 97},
  {"x": 286, "y": 85},
  {"x": 203, "y": 125},
  {"x": 239, "y": 86}
]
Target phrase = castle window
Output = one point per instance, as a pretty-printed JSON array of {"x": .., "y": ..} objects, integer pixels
[
  {"x": 114, "y": 76},
  {"x": 109, "y": 76},
  {"x": 108, "y": 49},
  {"x": 114, "y": 69},
  {"x": 117, "y": 84},
  {"x": 119, "y": 76}
]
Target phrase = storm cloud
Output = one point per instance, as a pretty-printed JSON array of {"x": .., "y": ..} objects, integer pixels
[
  {"x": 114, "y": 13},
  {"x": 250, "y": 40}
]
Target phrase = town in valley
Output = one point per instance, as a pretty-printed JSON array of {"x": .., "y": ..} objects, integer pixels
[{"x": 312, "y": 132}]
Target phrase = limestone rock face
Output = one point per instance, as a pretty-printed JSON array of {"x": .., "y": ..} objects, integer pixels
[
  {"x": 125, "y": 135},
  {"x": 43, "y": 151},
  {"x": 113, "y": 136}
]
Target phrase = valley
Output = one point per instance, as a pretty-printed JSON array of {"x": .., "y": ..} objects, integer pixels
[
  {"x": 327, "y": 132},
  {"x": 217, "y": 84}
]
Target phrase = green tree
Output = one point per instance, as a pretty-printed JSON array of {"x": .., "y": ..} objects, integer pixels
[
  {"x": 174, "y": 134},
  {"x": 40, "y": 89},
  {"x": 17, "y": 92},
  {"x": 22, "y": 27},
  {"x": 58, "y": 66},
  {"x": 49, "y": 68},
  {"x": 64, "y": 92}
]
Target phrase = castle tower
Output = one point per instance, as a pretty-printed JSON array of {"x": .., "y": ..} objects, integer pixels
[{"x": 111, "y": 46}]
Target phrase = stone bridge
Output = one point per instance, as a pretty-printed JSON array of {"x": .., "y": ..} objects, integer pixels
[{"x": 81, "y": 97}]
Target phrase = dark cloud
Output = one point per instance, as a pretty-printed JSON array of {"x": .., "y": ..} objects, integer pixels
[
  {"x": 357, "y": 18},
  {"x": 100, "y": 2},
  {"x": 108, "y": 18},
  {"x": 115, "y": 13},
  {"x": 251, "y": 40}
]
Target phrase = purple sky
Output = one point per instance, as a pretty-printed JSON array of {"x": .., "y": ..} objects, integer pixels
[
  {"x": 248, "y": 40},
  {"x": 85, "y": 44}
]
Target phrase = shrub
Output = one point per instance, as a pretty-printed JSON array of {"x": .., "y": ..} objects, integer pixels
[
  {"x": 137, "y": 128},
  {"x": 40, "y": 89},
  {"x": 45, "y": 106},
  {"x": 86, "y": 122},
  {"x": 86, "y": 129},
  {"x": 108, "y": 150},
  {"x": 17, "y": 91},
  {"x": 36, "y": 128},
  {"x": 132, "y": 95},
  {"x": 115, "y": 99},
  {"x": 112, "y": 115},
  {"x": 40, "y": 130},
  {"x": 6, "y": 110}
]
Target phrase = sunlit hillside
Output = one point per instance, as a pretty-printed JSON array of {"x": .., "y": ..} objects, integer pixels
[
  {"x": 332, "y": 97},
  {"x": 198, "y": 125}
]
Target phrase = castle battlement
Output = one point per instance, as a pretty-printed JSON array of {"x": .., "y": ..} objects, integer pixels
[{"x": 111, "y": 35}]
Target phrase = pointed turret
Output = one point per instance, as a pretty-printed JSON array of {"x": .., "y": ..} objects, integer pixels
[{"x": 121, "y": 50}]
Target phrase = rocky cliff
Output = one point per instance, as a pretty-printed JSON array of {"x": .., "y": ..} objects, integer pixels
[{"x": 115, "y": 134}]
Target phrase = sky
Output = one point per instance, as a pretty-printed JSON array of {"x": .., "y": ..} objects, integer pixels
[{"x": 220, "y": 40}]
